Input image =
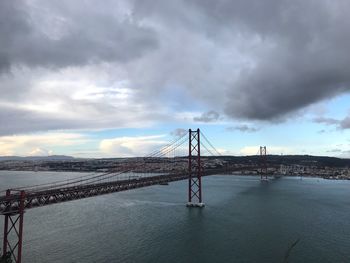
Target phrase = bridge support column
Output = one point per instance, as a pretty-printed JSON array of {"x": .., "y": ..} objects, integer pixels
[
  {"x": 263, "y": 164},
  {"x": 13, "y": 230},
  {"x": 194, "y": 170}
]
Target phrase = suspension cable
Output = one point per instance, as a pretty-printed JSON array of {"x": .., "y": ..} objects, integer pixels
[
  {"x": 90, "y": 178},
  {"x": 211, "y": 145}
]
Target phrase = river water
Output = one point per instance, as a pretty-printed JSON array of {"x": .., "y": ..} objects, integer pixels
[{"x": 244, "y": 220}]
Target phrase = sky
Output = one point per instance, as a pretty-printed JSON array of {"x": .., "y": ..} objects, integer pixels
[{"x": 121, "y": 78}]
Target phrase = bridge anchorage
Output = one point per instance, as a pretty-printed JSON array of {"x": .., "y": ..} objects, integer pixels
[{"x": 194, "y": 170}]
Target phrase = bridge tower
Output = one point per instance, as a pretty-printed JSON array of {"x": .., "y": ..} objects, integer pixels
[
  {"x": 194, "y": 170},
  {"x": 263, "y": 163},
  {"x": 13, "y": 230}
]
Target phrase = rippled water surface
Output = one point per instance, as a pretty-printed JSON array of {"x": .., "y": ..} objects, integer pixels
[{"x": 244, "y": 220}]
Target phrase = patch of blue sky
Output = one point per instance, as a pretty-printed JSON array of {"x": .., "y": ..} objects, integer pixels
[{"x": 339, "y": 106}]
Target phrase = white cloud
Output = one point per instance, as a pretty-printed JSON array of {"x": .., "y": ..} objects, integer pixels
[
  {"x": 40, "y": 152},
  {"x": 224, "y": 152},
  {"x": 90, "y": 97},
  {"x": 132, "y": 146},
  {"x": 38, "y": 144}
]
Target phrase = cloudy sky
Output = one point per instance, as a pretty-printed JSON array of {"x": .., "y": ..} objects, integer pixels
[{"x": 118, "y": 78}]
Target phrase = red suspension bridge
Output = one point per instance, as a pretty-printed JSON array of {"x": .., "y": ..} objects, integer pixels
[{"x": 172, "y": 162}]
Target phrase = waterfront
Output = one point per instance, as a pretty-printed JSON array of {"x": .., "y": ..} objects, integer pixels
[{"x": 244, "y": 221}]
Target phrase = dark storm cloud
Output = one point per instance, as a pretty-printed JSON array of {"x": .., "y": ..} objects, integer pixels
[
  {"x": 242, "y": 128},
  {"x": 210, "y": 116},
  {"x": 297, "y": 50},
  {"x": 260, "y": 60},
  {"x": 309, "y": 60},
  {"x": 62, "y": 34},
  {"x": 301, "y": 54}
]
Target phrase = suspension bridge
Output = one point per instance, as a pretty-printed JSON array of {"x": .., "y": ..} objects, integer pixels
[{"x": 182, "y": 159}]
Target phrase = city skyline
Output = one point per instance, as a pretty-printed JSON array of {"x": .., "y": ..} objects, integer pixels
[{"x": 123, "y": 78}]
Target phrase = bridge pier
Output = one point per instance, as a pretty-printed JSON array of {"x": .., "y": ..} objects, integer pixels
[
  {"x": 200, "y": 205},
  {"x": 263, "y": 164},
  {"x": 194, "y": 170},
  {"x": 13, "y": 229}
]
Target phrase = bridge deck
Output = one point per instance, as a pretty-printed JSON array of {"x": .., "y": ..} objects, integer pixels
[{"x": 10, "y": 205}]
